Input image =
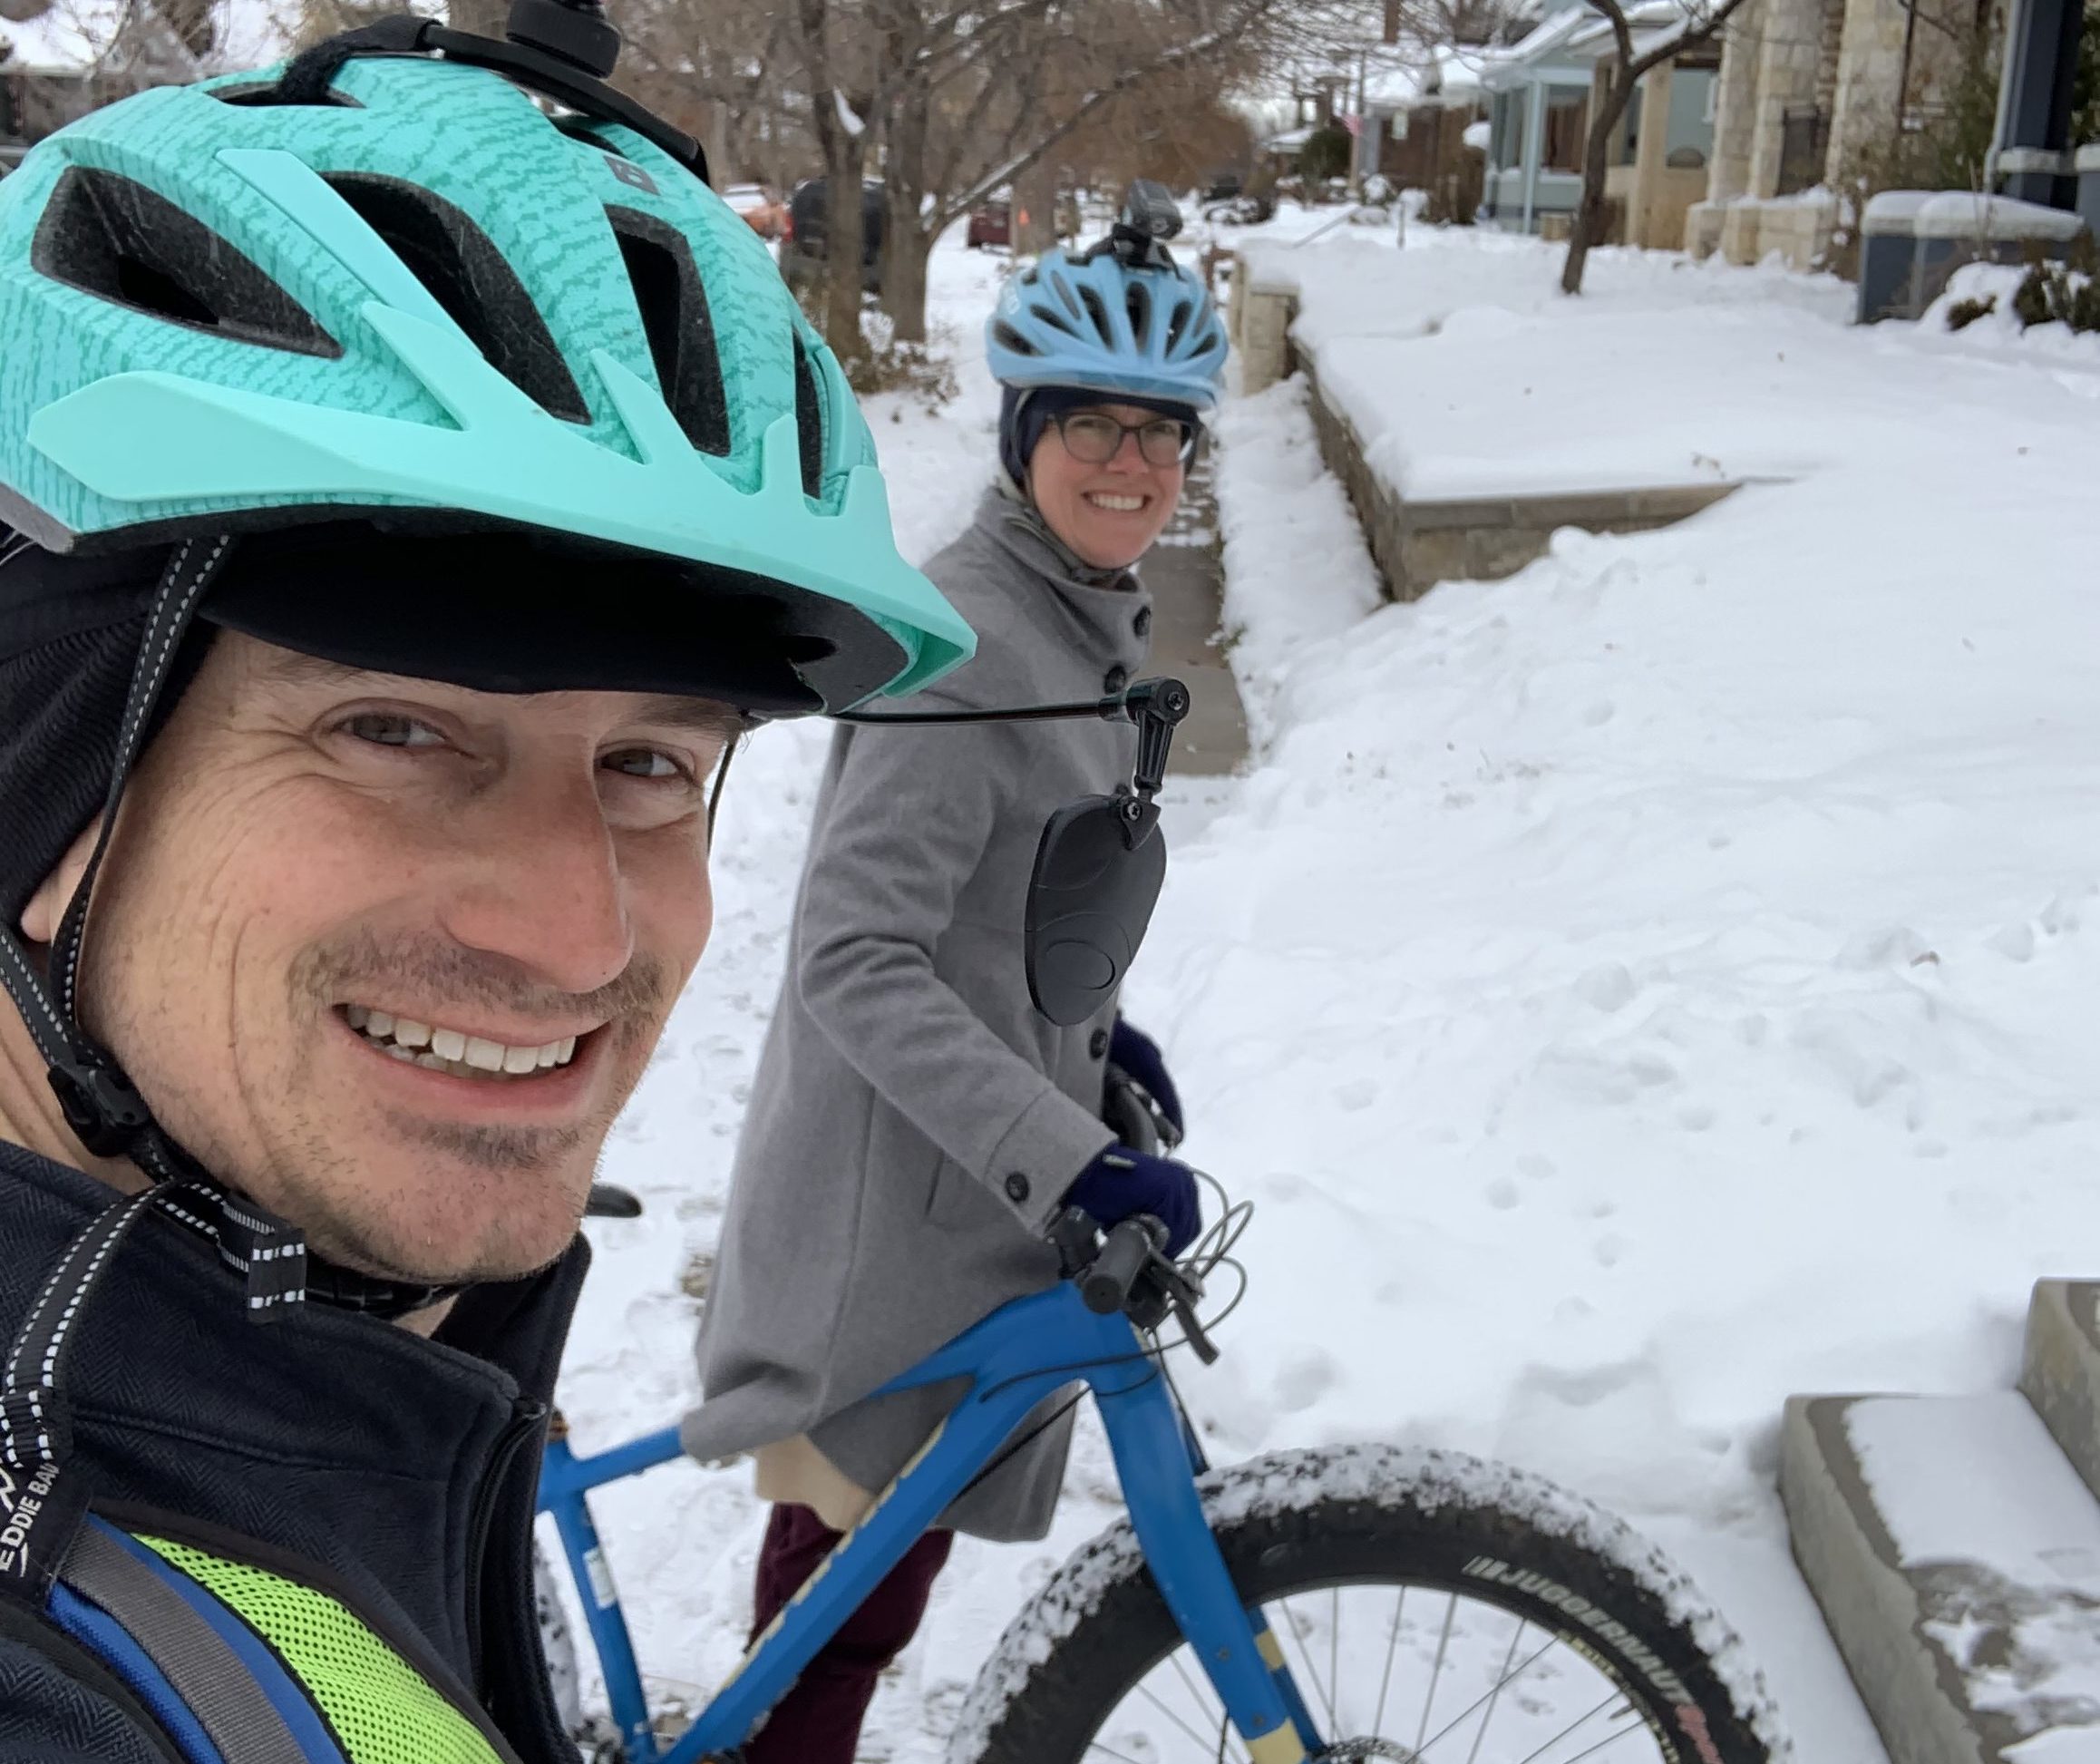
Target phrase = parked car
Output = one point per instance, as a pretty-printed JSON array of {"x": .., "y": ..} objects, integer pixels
[
  {"x": 806, "y": 248},
  {"x": 765, "y": 212},
  {"x": 1224, "y": 185},
  {"x": 991, "y": 223}
]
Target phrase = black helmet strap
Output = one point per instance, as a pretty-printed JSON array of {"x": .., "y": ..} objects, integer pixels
[{"x": 100, "y": 1103}]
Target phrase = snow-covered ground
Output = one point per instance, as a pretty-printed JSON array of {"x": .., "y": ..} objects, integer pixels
[{"x": 1632, "y": 993}]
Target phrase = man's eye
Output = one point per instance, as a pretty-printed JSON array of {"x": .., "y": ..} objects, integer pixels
[
  {"x": 385, "y": 730},
  {"x": 645, "y": 763}
]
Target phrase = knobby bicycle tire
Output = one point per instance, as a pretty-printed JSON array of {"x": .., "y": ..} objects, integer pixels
[{"x": 1356, "y": 1516}]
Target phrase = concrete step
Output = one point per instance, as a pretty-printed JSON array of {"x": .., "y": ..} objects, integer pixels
[
  {"x": 1956, "y": 1555},
  {"x": 2060, "y": 1370}
]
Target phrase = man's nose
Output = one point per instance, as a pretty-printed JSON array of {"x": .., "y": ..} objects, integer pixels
[{"x": 545, "y": 889}]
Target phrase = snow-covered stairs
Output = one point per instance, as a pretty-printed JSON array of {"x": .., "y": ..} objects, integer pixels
[{"x": 1954, "y": 1546}]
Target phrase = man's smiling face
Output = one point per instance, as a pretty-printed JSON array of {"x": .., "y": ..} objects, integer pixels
[{"x": 390, "y": 955}]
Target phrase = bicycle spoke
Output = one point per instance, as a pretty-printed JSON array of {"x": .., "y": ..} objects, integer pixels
[
  {"x": 1291, "y": 1629},
  {"x": 1335, "y": 1653},
  {"x": 1205, "y": 1697},
  {"x": 1159, "y": 1702},
  {"x": 1608, "y": 1740},
  {"x": 1492, "y": 1685},
  {"x": 1391, "y": 1649},
  {"x": 1582, "y": 1721},
  {"x": 1436, "y": 1672},
  {"x": 1495, "y": 1691},
  {"x": 1093, "y": 1746},
  {"x": 1472, "y": 1757}
]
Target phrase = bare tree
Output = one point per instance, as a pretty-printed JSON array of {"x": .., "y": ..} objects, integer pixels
[
  {"x": 1700, "y": 22},
  {"x": 992, "y": 92}
]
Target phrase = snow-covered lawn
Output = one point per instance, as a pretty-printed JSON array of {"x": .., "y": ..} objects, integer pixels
[{"x": 1632, "y": 993}]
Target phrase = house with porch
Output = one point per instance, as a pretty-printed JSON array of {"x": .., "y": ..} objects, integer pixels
[
  {"x": 1541, "y": 90},
  {"x": 1808, "y": 88}
]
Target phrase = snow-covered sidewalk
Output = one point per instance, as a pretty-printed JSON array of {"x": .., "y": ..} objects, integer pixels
[{"x": 1631, "y": 993}]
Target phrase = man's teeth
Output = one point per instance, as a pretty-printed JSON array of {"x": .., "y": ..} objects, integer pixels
[
  {"x": 1117, "y": 505},
  {"x": 451, "y": 1050}
]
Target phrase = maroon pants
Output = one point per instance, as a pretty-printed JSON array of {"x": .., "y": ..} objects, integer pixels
[{"x": 819, "y": 1721}]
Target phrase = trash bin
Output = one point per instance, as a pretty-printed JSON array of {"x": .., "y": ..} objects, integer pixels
[{"x": 1913, "y": 240}]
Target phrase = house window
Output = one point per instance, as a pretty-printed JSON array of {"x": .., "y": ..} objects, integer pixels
[{"x": 1566, "y": 121}]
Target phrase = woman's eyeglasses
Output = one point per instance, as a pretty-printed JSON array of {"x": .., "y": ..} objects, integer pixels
[{"x": 1093, "y": 437}]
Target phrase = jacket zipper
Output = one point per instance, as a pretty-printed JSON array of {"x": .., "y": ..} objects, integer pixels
[{"x": 528, "y": 1415}]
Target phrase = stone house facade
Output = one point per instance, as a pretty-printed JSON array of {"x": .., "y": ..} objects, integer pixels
[{"x": 1808, "y": 88}]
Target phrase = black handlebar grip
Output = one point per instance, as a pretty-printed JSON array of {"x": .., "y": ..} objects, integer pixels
[{"x": 1125, "y": 1254}]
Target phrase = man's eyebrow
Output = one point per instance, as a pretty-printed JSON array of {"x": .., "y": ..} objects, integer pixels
[
  {"x": 295, "y": 668},
  {"x": 700, "y": 715},
  {"x": 674, "y": 710}
]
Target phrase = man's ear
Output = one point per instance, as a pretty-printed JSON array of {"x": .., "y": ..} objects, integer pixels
[{"x": 47, "y": 906}]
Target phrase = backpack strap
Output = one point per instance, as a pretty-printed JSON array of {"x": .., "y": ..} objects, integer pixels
[{"x": 222, "y": 1694}]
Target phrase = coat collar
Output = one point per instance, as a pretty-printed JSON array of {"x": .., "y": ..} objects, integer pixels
[
  {"x": 1106, "y": 603},
  {"x": 341, "y": 1438}
]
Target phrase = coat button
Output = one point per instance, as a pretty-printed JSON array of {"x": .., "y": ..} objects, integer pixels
[
  {"x": 1115, "y": 680},
  {"x": 1017, "y": 1188},
  {"x": 1098, "y": 1043},
  {"x": 1142, "y": 623}
]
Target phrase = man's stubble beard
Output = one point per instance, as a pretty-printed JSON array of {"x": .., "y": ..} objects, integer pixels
[{"x": 331, "y": 1198}]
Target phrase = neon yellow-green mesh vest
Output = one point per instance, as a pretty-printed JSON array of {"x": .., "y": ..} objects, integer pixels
[{"x": 382, "y": 1710}]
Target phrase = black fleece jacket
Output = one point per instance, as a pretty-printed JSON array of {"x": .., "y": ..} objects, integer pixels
[{"x": 395, "y": 1472}]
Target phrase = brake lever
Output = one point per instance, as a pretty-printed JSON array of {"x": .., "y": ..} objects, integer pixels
[{"x": 1183, "y": 1293}]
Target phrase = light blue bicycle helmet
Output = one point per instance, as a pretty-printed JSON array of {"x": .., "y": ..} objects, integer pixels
[{"x": 1120, "y": 318}]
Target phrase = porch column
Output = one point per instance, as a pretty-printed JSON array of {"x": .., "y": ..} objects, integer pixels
[
  {"x": 1535, "y": 144},
  {"x": 1736, "y": 102},
  {"x": 2034, "y": 106},
  {"x": 1789, "y": 54},
  {"x": 1650, "y": 157}
]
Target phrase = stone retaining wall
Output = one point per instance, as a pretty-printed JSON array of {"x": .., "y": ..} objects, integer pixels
[{"x": 1417, "y": 544}]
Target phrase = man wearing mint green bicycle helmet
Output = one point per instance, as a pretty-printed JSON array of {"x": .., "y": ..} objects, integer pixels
[
  {"x": 916, "y": 1123},
  {"x": 407, "y": 491}
]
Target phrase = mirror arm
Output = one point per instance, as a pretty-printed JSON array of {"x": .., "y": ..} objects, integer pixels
[{"x": 1156, "y": 706}]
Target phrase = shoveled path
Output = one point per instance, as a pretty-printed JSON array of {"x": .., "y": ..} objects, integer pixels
[{"x": 1185, "y": 572}]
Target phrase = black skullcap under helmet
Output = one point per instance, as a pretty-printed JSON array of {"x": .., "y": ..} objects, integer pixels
[{"x": 70, "y": 631}]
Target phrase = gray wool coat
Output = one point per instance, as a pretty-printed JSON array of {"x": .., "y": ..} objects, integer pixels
[{"x": 914, "y": 1122}]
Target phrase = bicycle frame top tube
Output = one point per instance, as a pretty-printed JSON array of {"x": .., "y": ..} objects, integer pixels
[{"x": 1014, "y": 1359}]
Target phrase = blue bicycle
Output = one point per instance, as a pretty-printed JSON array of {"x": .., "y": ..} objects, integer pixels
[{"x": 1349, "y": 1603}]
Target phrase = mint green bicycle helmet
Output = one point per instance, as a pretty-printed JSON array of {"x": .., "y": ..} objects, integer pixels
[
  {"x": 482, "y": 390},
  {"x": 380, "y": 358}
]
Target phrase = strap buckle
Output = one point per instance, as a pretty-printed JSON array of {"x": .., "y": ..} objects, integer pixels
[{"x": 101, "y": 1105}]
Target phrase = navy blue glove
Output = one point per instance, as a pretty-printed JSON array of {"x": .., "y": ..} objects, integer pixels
[
  {"x": 1138, "y": 1055},
  {"x": 1121, "y": 1183}
]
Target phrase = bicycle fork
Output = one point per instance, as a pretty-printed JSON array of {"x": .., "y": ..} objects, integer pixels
[{"x": 1239, "y": 1652}]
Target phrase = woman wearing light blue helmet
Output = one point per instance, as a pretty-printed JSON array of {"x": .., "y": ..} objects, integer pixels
[
  {"x": 912, "y": 1109},
  {"x": 1113, "y": 343}
]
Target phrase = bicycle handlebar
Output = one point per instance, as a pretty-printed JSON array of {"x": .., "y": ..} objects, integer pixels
[{"x": 1125, "y": 1253}]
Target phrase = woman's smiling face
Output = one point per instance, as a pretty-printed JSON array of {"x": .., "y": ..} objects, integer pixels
[{"x": 1109, "y": 514}]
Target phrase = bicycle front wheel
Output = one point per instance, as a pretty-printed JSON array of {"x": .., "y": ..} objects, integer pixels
[{"x": 1432, "y": 1610}]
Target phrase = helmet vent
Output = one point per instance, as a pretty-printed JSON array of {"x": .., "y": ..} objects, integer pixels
[
  {"x": 459, "y": 263},
  {"x": 113, "y": 237},
  {"x": 1138, "y": 304},
  {"x": 1178, "y": 324},
  {"x": 809, "y": 420},
  {"x": 1097, "y": 311},
  {"x": 1007, "y": 337},
  {"x": 1055, "y": 319},
  {"x": 680, "y": 329},
  {"x": 259, "y": 95}
]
